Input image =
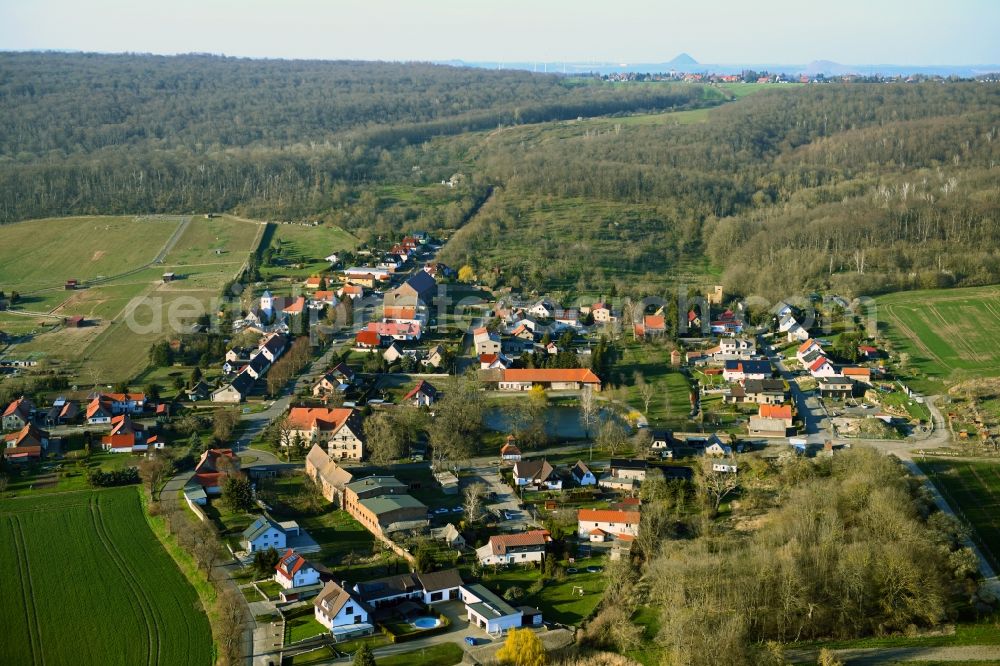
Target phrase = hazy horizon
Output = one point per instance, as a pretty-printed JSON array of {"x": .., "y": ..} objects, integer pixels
[{"x": 920, "y": 33}]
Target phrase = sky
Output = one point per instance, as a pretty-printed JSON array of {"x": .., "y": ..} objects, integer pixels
[{"x": 911, "y": 32}]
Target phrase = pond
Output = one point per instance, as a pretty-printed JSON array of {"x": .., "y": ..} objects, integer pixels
[{"x": 561, "y": 421}]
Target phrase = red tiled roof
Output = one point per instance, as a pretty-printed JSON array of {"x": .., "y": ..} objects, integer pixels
[
  {"x": 421, "y": 387},
  {"x": 330, "y": 420},
  {"x": 775, "y": 411},
  {"x": 806, "y": 345},
  {"x": 500, "y": 543},
  {"x": 819, "y": 363},
  {"x": 608, "y": 516},
  {"x": 860, "y": 372},
  {"x": 295, "y": 306},
  {"x": 583, "y": 375},
  {"x": 370, "y": 338},
  {"x": 654, "y": 322},
  {"x": 290, "y": 563},
  {"x": 399, "y": 312}
]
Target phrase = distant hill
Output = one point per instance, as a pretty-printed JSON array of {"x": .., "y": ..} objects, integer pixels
[
  {"x": 683, "y": 59},
  {"x": 828, "y": 68}
]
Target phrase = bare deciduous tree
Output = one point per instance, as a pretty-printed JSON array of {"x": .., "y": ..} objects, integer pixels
[
  {"x": 717, "y": 486},
  {"x": 152, "y": 470},
  {"x": 474, "y": 495}
]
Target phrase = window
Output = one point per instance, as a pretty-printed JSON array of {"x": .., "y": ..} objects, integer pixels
[{"x": 349, "y": 610}]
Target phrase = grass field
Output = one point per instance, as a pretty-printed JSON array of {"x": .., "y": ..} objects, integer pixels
[
  {"x": 204, "y": 254},
  {"x": 671, "y": 403},
  {"x": 949, "y": 335},
  {"x": 45, "y": 253},
  {"x": 973, "y": 490},
  {"x": 88, "y": 583}
]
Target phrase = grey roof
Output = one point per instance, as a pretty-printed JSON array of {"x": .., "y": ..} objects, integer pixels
[
  {"x": 536, "y": 470},
  {"x": 259, "y": 364},
  {"x": 382, "y": 588},
  {"x": 491, "y": 606},
  {"x": 764, "y": 386},
  {"x": 439, "y": 580},
  {"x": 422, "y": 282},
  {"x": 243, "y": 383},
  {"x": 276, "y": 344},
  {"x": 388, "y": 483},
  {"x": 387, "y": 503},
  {"x": 625, "y": 463},
  {"x": 258, "y": 527},
  {"x": 580, "y": 470}
]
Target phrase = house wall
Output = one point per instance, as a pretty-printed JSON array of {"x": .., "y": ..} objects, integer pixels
[
  {"x": 584, "y": 528},
  {"x": 272, "y": 538},
  {"x": 497, "y": 625},
  {"x": 351, "y": 613},
  {"x": 227, "y": 394},
  {"x": 437, "y": 596},
  {"x": 345, "y": 444},
  {"x": 513, "y": 558},
  {"x": 637, "y": 474}
]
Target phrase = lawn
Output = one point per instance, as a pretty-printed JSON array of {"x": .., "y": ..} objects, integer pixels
[
  {"x": 337, "y": 533},
  {"x": 560, "y": 600},
  {"x": 972, "y": 489},
  {"x": 88, "y": 565},
  {"x": 671, "y": 403},
  {"x": 442, "y": 654},
  {"x": 51, "y": 476},
  {"x": 949, "y": 335},
  {"x": 303, "y": 626}
]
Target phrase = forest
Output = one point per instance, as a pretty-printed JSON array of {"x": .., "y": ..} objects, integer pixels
[{"x": 571, "y": 185}]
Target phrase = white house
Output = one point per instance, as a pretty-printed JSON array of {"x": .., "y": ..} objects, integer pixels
[
  {"x": 822, "y": 367},
  {"x": 514, "y": 548},
  {"x": 623, "y": 468},
  {"x": 543, "y": 309},
  {"x": 294, "y": 571},
  {"x": 717, "y": 448},
  {"x": 264, "y": 533},
  {"x": 337, "y": 610},
  {"x": 486, "y": 341},
  {"x": 582, "y": 474},
  {"x": 601, "y": 313},
  {"x": 725, "y": 467},
  {"x": 743, "y": 347},
  {"x": 537, "y": 473},
  {"x": 807, "y": 348},
  {"x": 489, "y": 612},
  {"x": 422, "y": 395},
  {"x": 602, "y": 523}
]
